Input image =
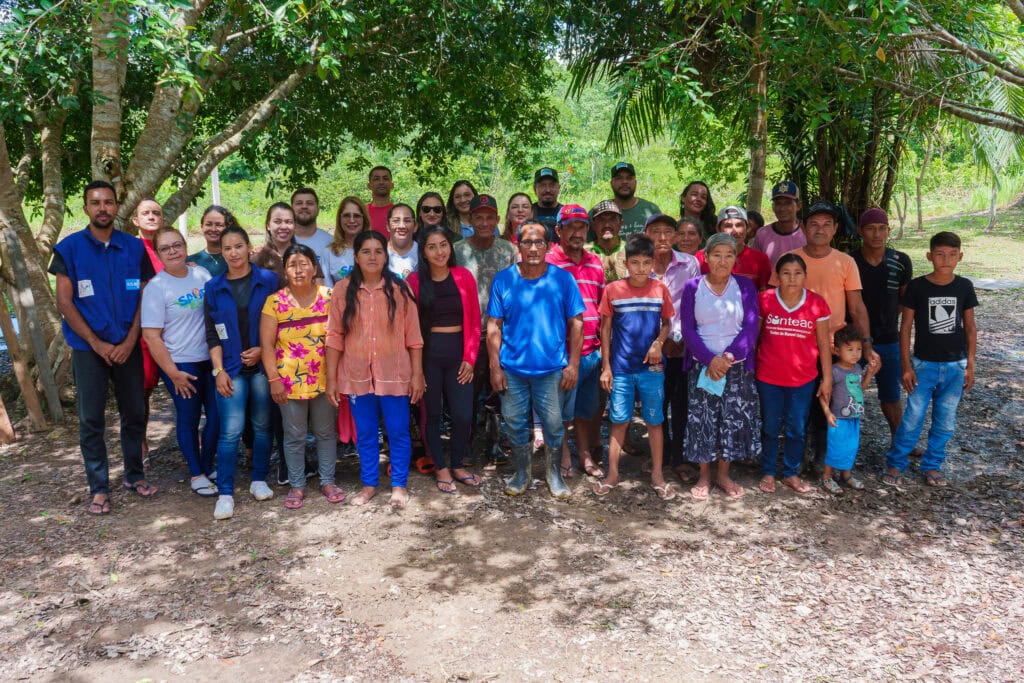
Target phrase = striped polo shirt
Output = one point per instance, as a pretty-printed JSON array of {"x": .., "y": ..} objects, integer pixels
[{"x": 589, "y": 276}]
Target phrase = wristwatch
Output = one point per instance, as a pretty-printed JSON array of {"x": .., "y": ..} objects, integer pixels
[
  {"x": 869, "y": 340},
  {"x": 217, "y": 371}
]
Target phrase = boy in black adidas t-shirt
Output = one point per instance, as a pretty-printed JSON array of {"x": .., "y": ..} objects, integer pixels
[{"x": 940, "y": 307}]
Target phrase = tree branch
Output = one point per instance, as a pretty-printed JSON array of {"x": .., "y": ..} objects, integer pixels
[
  {"x": 1017, "y": 7},
  {"x": 227, "y": 142},
  {"x": 24, "y": 167}
]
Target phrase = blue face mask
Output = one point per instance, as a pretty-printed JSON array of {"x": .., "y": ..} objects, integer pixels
[{"x": 716, "y": 387}]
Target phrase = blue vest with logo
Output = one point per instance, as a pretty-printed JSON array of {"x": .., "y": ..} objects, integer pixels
[
  {"x": 221, "y": 307},
  {"x": 107, "y": 283}
]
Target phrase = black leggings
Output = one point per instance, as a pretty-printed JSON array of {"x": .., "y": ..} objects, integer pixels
[{"x": 441, "y": 372}]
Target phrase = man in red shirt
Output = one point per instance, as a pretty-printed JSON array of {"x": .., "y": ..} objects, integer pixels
[
  {"x": 580, "y": 404},
  {"x": 380, "y": 186},
  {"x": 750, "y": 262}
]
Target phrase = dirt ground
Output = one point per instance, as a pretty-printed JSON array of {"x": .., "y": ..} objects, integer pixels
[{"x": 915, "y": 583}]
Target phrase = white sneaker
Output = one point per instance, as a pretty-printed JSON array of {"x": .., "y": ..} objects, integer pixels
[
  {"x": 260, "y": 490},
  {"x": 225, "y": 508}
]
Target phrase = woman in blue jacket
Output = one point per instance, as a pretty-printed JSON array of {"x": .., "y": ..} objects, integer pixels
[{"x": 234, "y": 302}]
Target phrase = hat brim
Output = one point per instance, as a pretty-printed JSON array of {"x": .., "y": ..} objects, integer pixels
[{"x": 478, "y": 209}]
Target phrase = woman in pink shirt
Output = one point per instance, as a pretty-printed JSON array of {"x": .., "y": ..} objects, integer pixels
[{"x": 374, "y": 355}]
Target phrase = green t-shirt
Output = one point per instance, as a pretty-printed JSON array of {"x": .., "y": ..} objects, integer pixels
[{"x": 633, "y": 219}]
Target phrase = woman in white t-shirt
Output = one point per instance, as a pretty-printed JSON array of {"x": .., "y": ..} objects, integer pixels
[
  {"x": 403, "y": 256},
  {"x": 337, "y": 258},
  {"x": 174, "y": 328}
]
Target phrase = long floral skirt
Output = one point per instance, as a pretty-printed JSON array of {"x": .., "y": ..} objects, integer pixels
[{"x": 726, "y": 427}]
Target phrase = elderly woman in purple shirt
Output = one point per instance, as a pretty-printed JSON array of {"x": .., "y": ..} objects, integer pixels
[{"x": 720, "y": 323}]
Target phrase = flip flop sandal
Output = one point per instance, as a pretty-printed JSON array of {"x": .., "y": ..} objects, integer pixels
[
  {"x": 665, "y": 492},
  {"x": 831, "y": 486},
  {"x": 766, "y": 486},
  {"x": 852, "y": 482},
  {"x": 567, "y": 472},
  {"x": 333, "y": 494},
  {"x": 892, "y": 479},
  {"x": 424, "y": 465},
  {"x": 294, "y": 499},
  {"x": 442, "y": 482},
  {"x": 95, "y": 508},
  {"x": 736, "y": 493},
  {"x": 700, "y": 493},
  {"x": 594, "y": 471},
  {"x": 471, "y": 480},
  {"x": 141, "y": 487},
  {"x": 602, "y": 489},
  {"x": 203, "y": 487},
  {"x": 936, "y": 480}
]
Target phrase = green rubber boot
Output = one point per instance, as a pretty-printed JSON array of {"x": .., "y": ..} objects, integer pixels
[
  {"x": 522, "y": 458},
  {"x": 556, "y": 484}
]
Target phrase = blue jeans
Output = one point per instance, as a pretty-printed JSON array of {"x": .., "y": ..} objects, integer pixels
[
  {"x": 252, "y": 391},
  {"x": 581, "y": 401},
  {"x": 366, "y": 412},
  {"x": 187, "y": 413},
  {"x": 942, "y": 384},
  {"x": 546, "y": 398},
  {"x": 649, "y": 386},
  {"x": 789, "y": 407}
]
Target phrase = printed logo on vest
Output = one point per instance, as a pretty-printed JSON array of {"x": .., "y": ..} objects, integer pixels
[
  {"x": 132, "y": 284},
  {"x": 85, "y": 289}
]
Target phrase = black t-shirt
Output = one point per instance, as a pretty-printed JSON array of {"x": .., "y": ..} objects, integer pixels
[
  {"x": 548, "y": 217},
  {"x": 881, "y": 291},
  {"x": 939, "y": 317}
]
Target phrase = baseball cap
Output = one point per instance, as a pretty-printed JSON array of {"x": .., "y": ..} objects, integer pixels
[
  {"x": 786, "y": 189},
  {"x": 606, "y": 206},
  {"x": 543, "y": 173},
  {"x": 572, "y": 212},
  {"x": 623, "y": 166},
  {"x": 483, "y": 202},
  {"x": 732, "y": 212},
  {"x": 660, "y": 218},
  {"x": 873, "y": 216},
  {"x": 823, "y": 207}
]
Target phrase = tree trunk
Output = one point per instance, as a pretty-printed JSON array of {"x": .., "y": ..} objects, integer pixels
[
  {"x": 758, "y": 122},
  {"x": 892, "y": 169},
  {"x": 21, "y": 371},
  {"x": 7, "y": 434},
  {"x": 992, "y": 205},
  {"x": 109, "y": 65},
  {"x": 920, "y": 179}
]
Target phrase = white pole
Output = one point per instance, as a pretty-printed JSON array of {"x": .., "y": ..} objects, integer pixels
[
  {"x": 183, "y": 219},
  {"x": 215, "y": 182}
]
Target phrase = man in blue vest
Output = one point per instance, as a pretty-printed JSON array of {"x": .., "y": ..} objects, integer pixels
[{"x": 100, "y": 274}]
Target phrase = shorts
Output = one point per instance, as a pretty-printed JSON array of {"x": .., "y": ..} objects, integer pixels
[
  {"x": 582, "y": 401},
  {"x": 890, "y": 374},
  {"x": 650, "y": 386},
  {"x": 843, "y": 442}
]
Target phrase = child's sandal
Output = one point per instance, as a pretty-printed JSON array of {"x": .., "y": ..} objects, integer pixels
[
  {"x": 831, "y": 486},
  {"x": 852, "y": 482}
]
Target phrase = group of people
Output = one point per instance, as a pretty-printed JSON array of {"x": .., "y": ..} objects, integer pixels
[{"x": 731, "y": 336}]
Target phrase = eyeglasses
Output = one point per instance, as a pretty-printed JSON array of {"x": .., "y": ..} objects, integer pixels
[
  {"x": 170, "y": 248},
  {"x": 431, "y": 209},
  {"x": 529, "y": 244}
]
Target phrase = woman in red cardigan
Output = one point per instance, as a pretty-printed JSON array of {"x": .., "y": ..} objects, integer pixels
[{"x": 450, "y": 321}]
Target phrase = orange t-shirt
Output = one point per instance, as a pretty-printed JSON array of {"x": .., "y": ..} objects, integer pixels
[{"x": 830, "y": 277}]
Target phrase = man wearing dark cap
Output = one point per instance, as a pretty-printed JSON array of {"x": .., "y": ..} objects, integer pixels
[
  {"x": 635, "y": 211},
  {"x": 547, "y": 208},
  {"x": 775, "y": 239},
  {"x": 885, "y": 274},
  {"x": 605, "y": 223},
  {"x": 832, "y": 275},
  {"x": 484, "y": 254}
]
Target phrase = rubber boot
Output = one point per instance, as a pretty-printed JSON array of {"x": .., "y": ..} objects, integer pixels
[
  {"x": 492, "y": 445},
  {"x": 522, "y": 459},
  {"x": 554, "y": 475}
]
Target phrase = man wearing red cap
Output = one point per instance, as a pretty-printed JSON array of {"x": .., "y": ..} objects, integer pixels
[
  {"x": 580, "y": 404},
  {"x": 884, "y": 275}
]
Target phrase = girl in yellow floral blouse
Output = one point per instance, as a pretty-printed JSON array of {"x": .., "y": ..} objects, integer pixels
[{"x": 293, "y": 329}]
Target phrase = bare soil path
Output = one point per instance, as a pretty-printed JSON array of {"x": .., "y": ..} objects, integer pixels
[{"x": 915, "y": 583}]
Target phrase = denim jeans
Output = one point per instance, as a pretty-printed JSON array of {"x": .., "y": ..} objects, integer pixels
[
  {"x": 92, "y": 379},
  {"x": 367, "y": 411},
  {"x": 581, "y": 401},
  {"x": 546, "y": 398},
  {"x": 789, "y": 407},
  {"x": 252, "y": 392},
  {"x": 188, "y": 412},
  {"x": 298, "y": 415},
  {"x": 941, "y": 384}
]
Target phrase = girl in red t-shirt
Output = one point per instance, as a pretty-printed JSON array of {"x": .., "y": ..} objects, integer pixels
[{"x": 794, "y": 335}]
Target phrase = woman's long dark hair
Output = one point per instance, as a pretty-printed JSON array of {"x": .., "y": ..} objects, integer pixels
[
  {"x": 419, "y": 205},
  {"x": 708, "y": 217},
  {"x": 355, "y": 280},
  {"x": 454, "y": 219},
  {"x": 425, "y": 301}
]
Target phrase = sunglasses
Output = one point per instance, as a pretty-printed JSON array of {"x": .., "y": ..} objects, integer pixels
[{"x": 431, "y": 209}]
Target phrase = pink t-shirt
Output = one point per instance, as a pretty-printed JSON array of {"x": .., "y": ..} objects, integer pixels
[
  {"x": 750, "y": 263},
  {"x": 774, "y": 244},
  {"x": 379, "y": 218},
  {"x": 831, "y": 277},
  {"x": 787, "y": 350}
]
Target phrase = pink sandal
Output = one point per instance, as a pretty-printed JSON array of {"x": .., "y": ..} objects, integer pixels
[
  {"x": 333, "y": 494},
  {"x": 293, "y": 501}
]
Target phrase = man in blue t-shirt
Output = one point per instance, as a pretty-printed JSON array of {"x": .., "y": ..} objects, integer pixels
[
  {"x": 534, "y": 340},
  {"x": 100, "y": 274}
]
